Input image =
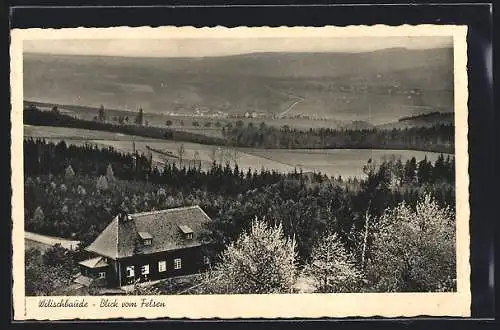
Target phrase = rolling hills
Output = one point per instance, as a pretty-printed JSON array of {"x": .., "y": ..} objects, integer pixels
[{"x": 375, "y": 87}]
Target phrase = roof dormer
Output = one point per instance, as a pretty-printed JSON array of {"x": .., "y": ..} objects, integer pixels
[
  {"x": 147, "y": 238},
  {"x": 186, "y": 231}
]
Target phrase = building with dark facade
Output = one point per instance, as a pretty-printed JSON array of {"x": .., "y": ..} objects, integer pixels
[{"x": 147, "y": 246}]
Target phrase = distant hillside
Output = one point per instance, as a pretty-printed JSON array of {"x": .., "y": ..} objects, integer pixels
[
  {"x": 376, "y": 87},
  {"x": 357, "y": 125},
  {"x": 422, "y": 120},
  {"x": 428, "y": 117}
]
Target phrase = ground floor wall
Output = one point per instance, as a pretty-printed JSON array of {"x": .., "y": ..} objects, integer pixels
[{"x": 157, "y": 266}]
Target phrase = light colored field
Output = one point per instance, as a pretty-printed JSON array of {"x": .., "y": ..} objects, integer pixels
[
  {"x": 335, "y": 162},
  {"x": 192, "y": 151},
  {"x": 332, "y": 162},
  {"x": 66, "y": 133},
  {"x": 201, "y": 152}
]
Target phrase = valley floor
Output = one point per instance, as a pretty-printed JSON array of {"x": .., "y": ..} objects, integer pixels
[{"x": 332, "y": 162}]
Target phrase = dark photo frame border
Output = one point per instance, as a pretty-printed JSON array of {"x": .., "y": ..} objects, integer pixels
[{"x": 478, "y": 18}]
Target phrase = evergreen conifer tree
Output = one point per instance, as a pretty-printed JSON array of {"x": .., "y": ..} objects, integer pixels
[
  {"x": 69, "y": 173},
  {"x": 102, "y": 183}
]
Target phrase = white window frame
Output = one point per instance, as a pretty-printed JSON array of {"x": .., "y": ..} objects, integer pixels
[
  {"x": 102, "y": 275},
  {"x": 189, "y": 236},
  {"x": 130, "y": 271},
  {"x": 145, "y": 269},
  {"x": 177, "y": 263},
  {"x": 162, "y": 266},
  {"x": 148, "y": 241}
]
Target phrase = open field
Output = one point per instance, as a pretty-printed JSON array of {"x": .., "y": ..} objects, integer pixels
[
  {"x": 67, "y": 133},
  {"x": 205, "y": 154},
  {"x": 335, "y": 162},
  {"x": 332, "y": 162}
]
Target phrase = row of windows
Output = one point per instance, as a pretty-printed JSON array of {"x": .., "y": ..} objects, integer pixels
[{"x": 162, "y": 266}]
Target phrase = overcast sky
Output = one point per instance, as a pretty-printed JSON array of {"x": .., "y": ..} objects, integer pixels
[{"x": 219, "y": 47}]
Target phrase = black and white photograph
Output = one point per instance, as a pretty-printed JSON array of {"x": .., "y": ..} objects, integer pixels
[{"x": 282, "y": 163}]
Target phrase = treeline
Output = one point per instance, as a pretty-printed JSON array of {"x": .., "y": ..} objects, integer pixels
[
  {"x": 34, "y": 116},
  {"x": 80, "y": 202},
  {"x": 43, "y": 158},
  {"x": 428, "y": 115},
  {"x": 439, "y": 138},
  {"x": 422, "y": 172},
  {"x": 74, "y": 107}
]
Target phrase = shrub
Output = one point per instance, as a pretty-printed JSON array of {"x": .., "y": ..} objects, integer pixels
[
  {"x": 42, "y": 279},
  {"x": 143, "y": 289}
]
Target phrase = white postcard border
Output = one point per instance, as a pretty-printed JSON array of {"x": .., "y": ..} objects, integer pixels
[{"x": 249, "y": 306}]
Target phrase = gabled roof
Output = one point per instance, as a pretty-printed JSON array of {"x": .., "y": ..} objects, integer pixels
[
  {"x": 120, "y": 239},
  {"x": 94, "y": 263}
]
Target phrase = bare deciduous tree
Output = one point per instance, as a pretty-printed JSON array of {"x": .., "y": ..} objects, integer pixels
[{"x": 261, "y": 260}]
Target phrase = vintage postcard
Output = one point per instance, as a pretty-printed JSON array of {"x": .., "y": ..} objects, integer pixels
[{"x": 292, "y": 172}]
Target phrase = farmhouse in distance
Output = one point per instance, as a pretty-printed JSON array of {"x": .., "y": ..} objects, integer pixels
[{"x": 147, "y": 246}]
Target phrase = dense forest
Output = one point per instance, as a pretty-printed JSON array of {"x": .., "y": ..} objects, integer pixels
[
  {"x": 343, "y": 234},
  {"x": 75, "y": 191},
  {"x": 438, "y": 138}
]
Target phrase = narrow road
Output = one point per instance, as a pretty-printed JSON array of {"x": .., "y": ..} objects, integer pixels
[{"x": 299, "y": 99}]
